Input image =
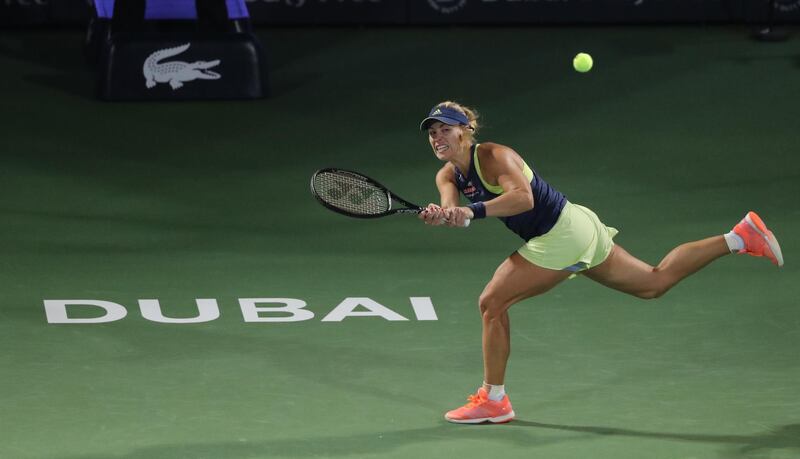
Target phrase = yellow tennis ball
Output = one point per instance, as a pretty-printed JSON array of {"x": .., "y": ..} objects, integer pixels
[{"x": 582, "y": 62}]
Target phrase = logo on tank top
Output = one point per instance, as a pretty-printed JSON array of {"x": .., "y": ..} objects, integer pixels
[{"x": 469, "y": 190}]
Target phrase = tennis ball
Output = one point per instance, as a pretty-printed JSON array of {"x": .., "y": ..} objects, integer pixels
[{"x": 582, "y": 62}]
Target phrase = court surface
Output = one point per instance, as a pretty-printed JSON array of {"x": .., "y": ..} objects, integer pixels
[{"x": 672, "y": 137}]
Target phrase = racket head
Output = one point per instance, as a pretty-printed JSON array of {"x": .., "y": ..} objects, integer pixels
[{"x": 355, "y": 195}]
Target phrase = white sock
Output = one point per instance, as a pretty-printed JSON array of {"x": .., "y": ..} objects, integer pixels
[
  {"x": 496, "y": 393},
  {"x": 735, "y": 242}
]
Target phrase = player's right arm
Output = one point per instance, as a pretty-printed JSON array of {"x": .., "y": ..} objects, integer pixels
[
  {"x": 446, "y": 183},
  {"x": 448, "y": 195}
]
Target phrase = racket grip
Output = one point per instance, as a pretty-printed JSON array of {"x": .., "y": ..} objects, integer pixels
[{"x": 466, "y": 222}]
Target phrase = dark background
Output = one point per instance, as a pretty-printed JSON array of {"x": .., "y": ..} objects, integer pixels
[{"x": 419, "y": 12}]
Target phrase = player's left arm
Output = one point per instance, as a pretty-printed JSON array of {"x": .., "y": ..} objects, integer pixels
[{"x": 502, "y": 166}]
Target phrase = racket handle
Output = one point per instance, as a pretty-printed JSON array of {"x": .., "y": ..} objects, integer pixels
[{"x": 466, "y": 222}]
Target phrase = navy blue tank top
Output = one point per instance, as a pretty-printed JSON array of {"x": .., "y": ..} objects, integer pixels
[{"x": 548, "y": 202}]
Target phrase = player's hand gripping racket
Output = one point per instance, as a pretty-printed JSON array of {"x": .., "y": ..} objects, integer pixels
[{"x": 356, "y": 195}]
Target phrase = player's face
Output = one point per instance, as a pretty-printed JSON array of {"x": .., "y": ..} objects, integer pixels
[{"x": 445, "y": 140}]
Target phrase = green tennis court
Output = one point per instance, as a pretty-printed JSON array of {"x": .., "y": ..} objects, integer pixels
[{"x": 674, "y": 135}]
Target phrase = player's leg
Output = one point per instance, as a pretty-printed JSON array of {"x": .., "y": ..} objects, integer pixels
[
  {"x": 514, "y": 280},
  {"x": 627, "y": 273},
  {"x": 624, "y": 272}
]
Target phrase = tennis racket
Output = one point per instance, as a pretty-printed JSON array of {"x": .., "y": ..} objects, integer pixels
[{"x": 356, "y": 195}]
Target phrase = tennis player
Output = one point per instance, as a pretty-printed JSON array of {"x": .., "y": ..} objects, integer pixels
[{"x": 561, "y": 240}]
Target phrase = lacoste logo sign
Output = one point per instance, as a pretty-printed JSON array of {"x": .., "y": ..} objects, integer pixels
[
  {"x": 447, "y": 6},
  {"x": 176, "y": 73},
  {"x": 786, "y": 6}
]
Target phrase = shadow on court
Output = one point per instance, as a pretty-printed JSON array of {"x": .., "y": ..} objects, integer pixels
[
  {"x": 780, "y": 438},
  {"x": 786, "y": 438}
]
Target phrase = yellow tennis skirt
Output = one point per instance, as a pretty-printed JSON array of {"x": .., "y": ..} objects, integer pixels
[{"x": 578, "y": 241}]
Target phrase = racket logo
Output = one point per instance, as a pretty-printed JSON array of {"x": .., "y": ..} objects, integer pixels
[{"x": 349, "y": 192}]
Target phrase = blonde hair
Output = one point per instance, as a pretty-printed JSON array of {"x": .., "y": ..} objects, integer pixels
[{"x": 471, "y": 114}]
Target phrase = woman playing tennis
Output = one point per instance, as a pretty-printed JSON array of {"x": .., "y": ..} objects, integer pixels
[{"x": 561, "y": 240}]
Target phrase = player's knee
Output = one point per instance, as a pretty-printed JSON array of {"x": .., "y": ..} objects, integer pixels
[
  {"x": 659, "y": 284},
  {"x": 652, "y": 293},
  {"x": 647, "y": 294},
  {"x": 491, "y": 306}
]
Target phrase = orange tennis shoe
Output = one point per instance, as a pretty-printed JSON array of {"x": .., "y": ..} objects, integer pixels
[
  {"x": 758, "y": 239},
  {"x": 481, "y": 409}
]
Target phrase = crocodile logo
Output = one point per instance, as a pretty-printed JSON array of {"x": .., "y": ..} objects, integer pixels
[{"x": 176, "y": 72}]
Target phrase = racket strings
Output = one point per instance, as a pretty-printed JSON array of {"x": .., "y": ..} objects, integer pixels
[{"x": 351, "y": 193}]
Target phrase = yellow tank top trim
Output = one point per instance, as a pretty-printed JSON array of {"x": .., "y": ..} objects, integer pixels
[{"x": 497, "y": 189}]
